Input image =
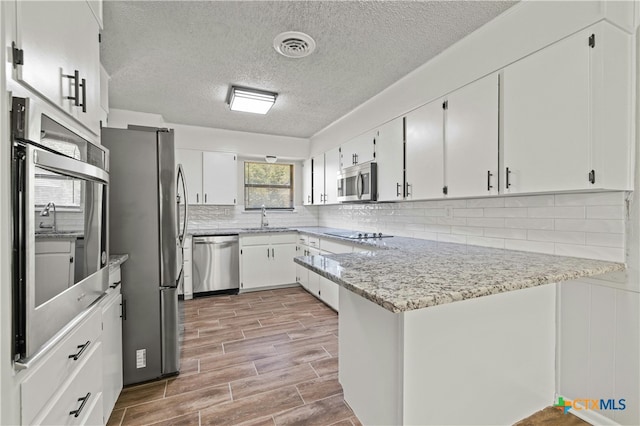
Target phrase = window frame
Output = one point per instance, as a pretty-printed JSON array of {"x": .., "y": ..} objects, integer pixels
[{"x": 250, "y": 185}]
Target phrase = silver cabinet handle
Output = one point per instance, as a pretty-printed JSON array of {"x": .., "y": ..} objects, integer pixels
[
  {"x": 197, "y": 197},
  {"x": 273, "y": 253},
  {"x": 205, "y": 197},
  {"x": 84, "y": 95},
  {"x": 408, "y": 186},
  {"x": 508, "y": 184},
  {"x": 82, "y": 348},
  {"x": 84, "y": 400},
  {"x": 489, "y": 174},
  {"x": 267, "y": 252},
  {"x": 76, "y": 87}
]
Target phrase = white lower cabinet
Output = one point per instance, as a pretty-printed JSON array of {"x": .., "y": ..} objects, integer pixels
[
  {"x": 267, "y": 260},
  {"x": 112, "y": 349},
  {"x": 328, "y": 292}
]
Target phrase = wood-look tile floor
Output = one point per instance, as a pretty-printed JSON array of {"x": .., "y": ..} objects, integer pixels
[{"x": 263, "y": 358}]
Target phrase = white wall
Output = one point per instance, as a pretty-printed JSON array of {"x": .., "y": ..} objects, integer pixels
[{"x": 121, "y": 118}]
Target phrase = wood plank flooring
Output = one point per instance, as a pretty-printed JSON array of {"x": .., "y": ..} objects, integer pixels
[
  {"x": 264, "y": 358},
  {"x": 258, "y": 359}
]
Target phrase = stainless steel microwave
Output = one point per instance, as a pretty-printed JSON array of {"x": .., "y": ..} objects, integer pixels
[
  {"x": 59, "y": 213},
  {"x": 358, "y": 183}
]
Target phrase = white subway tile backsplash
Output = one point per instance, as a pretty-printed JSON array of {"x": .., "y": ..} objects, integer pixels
[
  {"x": 590, "y": 199},
  {"x": 485, "y": 202},
  {"x": 528, "y": 223},
  {"x": 534, "y": 246},
  {"x": 506, "y": 212},
  {"x": 467, "y": 230},
  {"x": 556, "y": 236},
  {"x": 590, "y": 225},
  {"x": 577, "y": 212},
  {"x": 529, "y": 201},
  {"x": 486, "y": 242},
  {"x": 591, "y": 252},
  {"x": 604, "y": 239},
  {"x": 489, "y": 222},
  {"x": 512, "y": 234},
  {"x": 468, "y": 212},
  {"x": 586, "y": 225},
  {"x": 605, "y": 212},
  {"x": 450, "y": 238}
]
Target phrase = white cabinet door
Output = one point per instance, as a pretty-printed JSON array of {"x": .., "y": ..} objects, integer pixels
[
  {"x": 314, "y": 284},
  {"x": 112, "y": 350},
  {"x": 318, "y": 179},
  {"x": 331, "y": 169},
  {"x": 306, "y": 182},
  {"x": 283, "y": 268},
  {"x": 255, "y": 262},
  {"x": 302, "y": 274},
  {"x": 546, "y": 119},
  {"x": 220, "y": 178},
  {"x": 359, "y": 149},
  {"x": 471, "y": 139},
  {"x": 191, "y": 161},
  {"x": 328, "y": 292},
  {"x": 425, "y": 152},
  {"x": 390, "y": 159},
  {"x": 58, "y": 39}
]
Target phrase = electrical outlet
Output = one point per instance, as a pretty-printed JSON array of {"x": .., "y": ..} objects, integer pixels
[
  {"x": 448, "y": 212},
  {"x": 141, "y": 358}
]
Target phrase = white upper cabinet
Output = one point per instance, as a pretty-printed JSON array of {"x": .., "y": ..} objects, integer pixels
[
  {"x": 567, "y": 117},
  {"x": 191, "y": 161},
  {"x": 212, "y": 177},
  {"x": 61, "y": 56},
  {"x": 425, "y": 152},
  {"x": 359, "y": 150},
  {"x": 220, "y": 178},
  {"x": 390, "y": 159},
  {"x": 331, "y": 169},
  {"x": 471, "y": 139},
  {"x": 306, "y": 182},
  {"x": 318, "y": 179}
]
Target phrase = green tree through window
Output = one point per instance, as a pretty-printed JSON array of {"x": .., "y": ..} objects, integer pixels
[{"x": 268, "y": 184}]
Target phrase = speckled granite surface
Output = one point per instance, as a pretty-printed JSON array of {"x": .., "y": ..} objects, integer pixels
[
  {"x": 59, "y": 235},
  {"x": 415, "y": 274},
  {"x": 116, "y": 260}
]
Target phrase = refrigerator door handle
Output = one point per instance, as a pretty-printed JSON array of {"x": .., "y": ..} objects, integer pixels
[{"x": 182, "y": 180}]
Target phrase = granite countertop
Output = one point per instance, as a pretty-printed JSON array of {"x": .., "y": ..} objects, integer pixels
[
  {"x": 59, "y": 235},
  {"x": 415, "y": 274},
  {"x": 116, "y": 260}
]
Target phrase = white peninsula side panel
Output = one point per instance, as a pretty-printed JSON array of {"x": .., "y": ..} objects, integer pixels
[{"x": 489, "y": 360}]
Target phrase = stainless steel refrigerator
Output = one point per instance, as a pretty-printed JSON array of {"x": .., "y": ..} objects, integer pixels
[{"x": 147, "y": 222}]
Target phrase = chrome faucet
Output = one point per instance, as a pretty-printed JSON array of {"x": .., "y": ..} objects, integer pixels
[
  {"x": 45, "y": 213},
  {"x": 263, "y": 217}
]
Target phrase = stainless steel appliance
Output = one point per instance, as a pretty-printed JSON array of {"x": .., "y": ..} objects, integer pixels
[
  {"x": 58, "y": 270},
  {"x": 358, "y": 183},
  {"x": 146, "y": 223},
  {"x": 215, "y": 264}
]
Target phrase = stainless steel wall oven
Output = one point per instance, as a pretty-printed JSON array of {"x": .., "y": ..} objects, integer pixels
[{"x": 59, "y": 207}]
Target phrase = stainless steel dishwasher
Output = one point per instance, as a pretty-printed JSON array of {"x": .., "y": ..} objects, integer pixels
[{"x": 215, "y": 264}]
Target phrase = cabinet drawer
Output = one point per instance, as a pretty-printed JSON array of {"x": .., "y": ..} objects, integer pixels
[
  {"x": 279, "y": 238},
  {"x": 84, "y": 383},
  {"x": 335, "y": 247},
  {"x": 254, "y": 240},
  {"x": 59, "y": 246},
  {"x": 58, "y": 366},
  {"x": 303, "y": 239}
]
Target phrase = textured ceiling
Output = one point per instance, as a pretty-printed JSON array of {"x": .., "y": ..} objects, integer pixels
[{"x": 178, "y": 58}]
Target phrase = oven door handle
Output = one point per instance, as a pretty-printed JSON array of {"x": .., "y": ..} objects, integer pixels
[{"x": 69, "y": 166}]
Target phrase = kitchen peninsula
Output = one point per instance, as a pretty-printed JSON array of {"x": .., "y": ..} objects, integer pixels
[{"x": 409, "y": 355}]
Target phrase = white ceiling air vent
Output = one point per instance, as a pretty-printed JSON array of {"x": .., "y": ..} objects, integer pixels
[{"x": 293, "y": 44}]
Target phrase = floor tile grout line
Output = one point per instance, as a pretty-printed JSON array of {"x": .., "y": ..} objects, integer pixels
[
  {"x": 301, "y": 397},
  {"x": 230, "y": 392},
  {"x": 314, "y": 370},
  {"x": 122, "y": 418}
]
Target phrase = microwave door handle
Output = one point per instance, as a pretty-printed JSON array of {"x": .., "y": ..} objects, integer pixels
[{"x": 359, "y": 185}]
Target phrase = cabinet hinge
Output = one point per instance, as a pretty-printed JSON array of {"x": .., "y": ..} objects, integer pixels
[
  {"x": 445, "y": 190},
  {"x": 241, "y": 285},
  {"x": 18, "y": 55},
  {"x": 374, "y": 155},
  {"x": 592, "y": 41},
  {"x": 99, "y": 38},
  {"x": 374, "y": 141},
  {"x": 445, "y": 105},
  {"x": 240, "y": 251},
  {"x": 234, "y": 201},
  {"x": 592, "y": 177}
]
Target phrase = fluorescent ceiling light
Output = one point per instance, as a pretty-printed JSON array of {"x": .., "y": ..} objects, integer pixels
[{"x": 251, "y": 100}]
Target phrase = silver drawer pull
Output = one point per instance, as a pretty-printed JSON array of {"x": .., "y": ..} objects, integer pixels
[
  {"x": 82, "y": 348},
  {"x": 84, "y": 400}
]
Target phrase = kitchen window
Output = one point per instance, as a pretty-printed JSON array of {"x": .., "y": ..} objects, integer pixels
[{"x": 268, "y": 184}]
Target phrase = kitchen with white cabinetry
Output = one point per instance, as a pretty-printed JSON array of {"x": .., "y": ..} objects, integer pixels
[{"x": 495, "y": 268}]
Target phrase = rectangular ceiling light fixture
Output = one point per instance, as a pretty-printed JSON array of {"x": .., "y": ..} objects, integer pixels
[{"x": 251, "y": 100}]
